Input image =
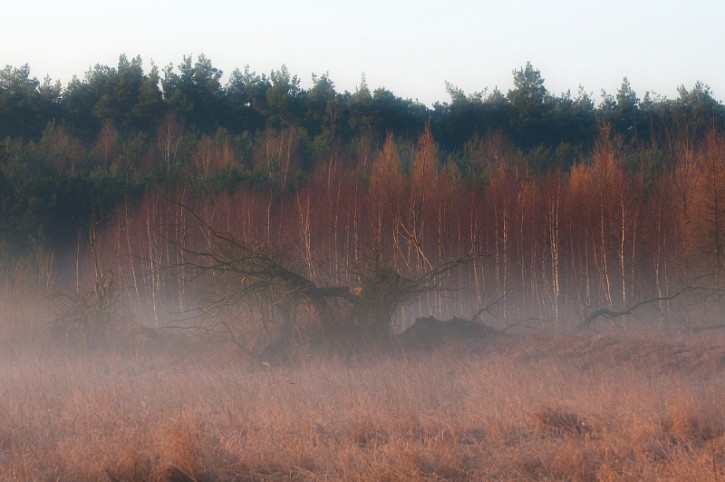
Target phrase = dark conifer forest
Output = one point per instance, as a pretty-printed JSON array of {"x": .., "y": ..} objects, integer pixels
[{"x": 169, "y": 196}]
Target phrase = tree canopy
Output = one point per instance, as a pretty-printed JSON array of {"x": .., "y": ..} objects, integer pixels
[{"x": 135, "y": 100}]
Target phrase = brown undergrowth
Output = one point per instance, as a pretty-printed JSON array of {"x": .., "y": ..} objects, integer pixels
[{"x": 578, "y": 408}]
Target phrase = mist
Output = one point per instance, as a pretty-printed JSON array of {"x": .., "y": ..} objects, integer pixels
[{"x": 329, "y": 286}]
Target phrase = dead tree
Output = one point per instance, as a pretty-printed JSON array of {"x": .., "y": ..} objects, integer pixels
[{"x": 290, "y": 304}]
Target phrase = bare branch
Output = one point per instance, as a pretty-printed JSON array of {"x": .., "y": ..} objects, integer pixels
[{"x": 612, "y": 315}]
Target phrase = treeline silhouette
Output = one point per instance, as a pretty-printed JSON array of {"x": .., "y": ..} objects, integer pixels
[
  {"x": 131, "y": 101},
  {"x": 567, "y": 207}
]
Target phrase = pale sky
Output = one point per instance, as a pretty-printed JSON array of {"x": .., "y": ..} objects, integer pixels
[{"x": 411, "y": 47}]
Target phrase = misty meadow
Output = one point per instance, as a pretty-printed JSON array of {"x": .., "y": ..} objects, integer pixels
[{"x": 256, "y": 281}]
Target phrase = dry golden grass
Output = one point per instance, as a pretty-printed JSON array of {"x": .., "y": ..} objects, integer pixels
[{"x": 533, "y": 408}]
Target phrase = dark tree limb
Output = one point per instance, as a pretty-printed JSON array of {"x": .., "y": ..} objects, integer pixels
[{"x": 630, "y": 310}]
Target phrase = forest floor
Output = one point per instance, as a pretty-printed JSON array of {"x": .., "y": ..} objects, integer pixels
[{"x": 528, "y": 407}]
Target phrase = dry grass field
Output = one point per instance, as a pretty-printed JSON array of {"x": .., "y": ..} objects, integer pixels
[{"x": 580, "y": 408}]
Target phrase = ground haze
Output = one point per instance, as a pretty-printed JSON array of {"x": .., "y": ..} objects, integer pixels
[{"x": 515, "y": 407}]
